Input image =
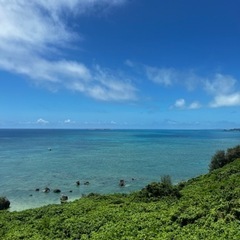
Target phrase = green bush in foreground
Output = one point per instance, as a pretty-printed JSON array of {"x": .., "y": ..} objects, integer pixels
[
  {"x": 218, "y": 160},
  {"x": 156, "y": 190},
  {"x": 233, "y": 153},
  {"x": 221, "y": 158}
]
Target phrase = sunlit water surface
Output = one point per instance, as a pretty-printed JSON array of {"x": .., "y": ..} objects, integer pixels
[{"x": 31, "y": 159}]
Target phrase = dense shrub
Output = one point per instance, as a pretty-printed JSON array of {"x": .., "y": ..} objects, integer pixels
[
  {"x": 233, "y": 153},
  {"x": 4, "y": 203},
  {"x": 218, "y": 160},
  {"x": 221, "y": 158},
  {"x": 161, "y": 189},
  {"x": 166, "y": 181}
]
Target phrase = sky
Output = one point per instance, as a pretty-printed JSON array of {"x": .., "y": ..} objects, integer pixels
[{"x": 120, "y": 64}]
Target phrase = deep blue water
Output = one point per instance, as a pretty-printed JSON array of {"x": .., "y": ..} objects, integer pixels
[{"x": 102, "y": 157}]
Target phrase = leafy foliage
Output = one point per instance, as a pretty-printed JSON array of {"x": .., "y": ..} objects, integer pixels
[
  {"x": 209, "y": 208},
  {"x": 162, "y": 189},
  {"x": 233, "y": 153},
  {"x": 221, "y": 158},
  {"x": 218, "y": 160}
]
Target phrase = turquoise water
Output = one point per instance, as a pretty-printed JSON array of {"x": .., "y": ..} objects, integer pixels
[{"x": 102, "y": 157}]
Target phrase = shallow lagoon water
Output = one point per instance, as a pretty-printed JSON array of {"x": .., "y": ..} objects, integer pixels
[{"x": 33, "y": 159}]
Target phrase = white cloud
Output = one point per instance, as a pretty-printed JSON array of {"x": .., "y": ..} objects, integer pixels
[
  {"x": 31, "y": 31},
  {"x": 111, "y": 86},
  {"x": 190, "y": 80},
  {"x": 220, "y": 84},
  {"x": 180, "y": 103},
  {"x": 224, "y": 91},
  {"x": 194, "y": 105},
  {"x": 226, "y": 100},
  {"x": 222, "y": 87},
  {"x": 129, "y": 63},
  {"x": 163, "y": 76},
  {"x": 102, "y": 84},
  {"x": 67, "y": 121},
  {"x": 41, "y": 121},
  {"x": 170, "y": 76}
]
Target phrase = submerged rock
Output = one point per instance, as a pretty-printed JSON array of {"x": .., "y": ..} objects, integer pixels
[
  {"x": 46, "y": 190},
  {"x": 63, "y": 198},
  {"x": 121, "y": 183},
  {"x": 56, "y": 190}
]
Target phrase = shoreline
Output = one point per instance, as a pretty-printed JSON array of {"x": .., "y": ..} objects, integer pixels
[
  {"x": 102, "y": 158},
  {"x": 31, "y": 201}
]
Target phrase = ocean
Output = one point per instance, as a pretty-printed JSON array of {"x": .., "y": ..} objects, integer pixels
[{"x": 33, "y": 159}]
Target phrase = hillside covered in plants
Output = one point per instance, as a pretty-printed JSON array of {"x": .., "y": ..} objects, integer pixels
[{"x": 206, "y": 207}]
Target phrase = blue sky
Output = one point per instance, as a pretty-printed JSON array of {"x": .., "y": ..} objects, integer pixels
[{"x": 120, "y": 64}]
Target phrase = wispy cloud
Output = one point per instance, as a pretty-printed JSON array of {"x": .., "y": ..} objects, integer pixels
[
  {"x": 173, "y": 77},
  {"x": 180, "y": 103},
  {"x": 162, "y": 76},
  {"x": 168, "y": 77},
  {"x": 111, "y": 86},
  {"x": 220, "y": 84},
  {"x": 224, "y": 91},
  {"x": 226, "y": 100},
  {"x": 33, "y": 31},
  {"x": 67, "y": 121},
  {"x": 222, "y": 88},
  {"x": 42, "y": 121},
  {"x": 195, "y": 105}
]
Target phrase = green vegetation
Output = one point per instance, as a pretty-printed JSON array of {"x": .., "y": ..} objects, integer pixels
[
  {"x": 221, "y": 158},
  {"x": 155, "y": 190},
  {"x": 206, "y": 207}
]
